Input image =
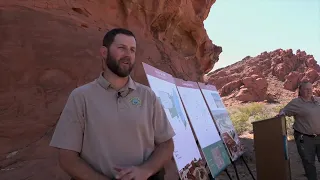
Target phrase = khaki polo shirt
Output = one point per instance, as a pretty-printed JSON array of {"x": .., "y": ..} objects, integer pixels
[
  {"x": 109, "y": 129},
  {"x": 306, "y": 115}
]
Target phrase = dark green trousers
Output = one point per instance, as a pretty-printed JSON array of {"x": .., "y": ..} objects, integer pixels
[{"x": 308, "y": 148}]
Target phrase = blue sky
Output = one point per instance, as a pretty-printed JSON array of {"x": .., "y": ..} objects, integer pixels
[{"x": 249, "y": 27}]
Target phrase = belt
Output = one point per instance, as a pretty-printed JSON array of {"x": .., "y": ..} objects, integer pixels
[{"x": 308, "y": 135}]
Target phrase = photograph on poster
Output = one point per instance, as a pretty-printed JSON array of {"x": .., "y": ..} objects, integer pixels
[
  {"x": 222, "y": 120},
  {"x": 217, "y": 100},
  {"x": 228, "y": 133}
]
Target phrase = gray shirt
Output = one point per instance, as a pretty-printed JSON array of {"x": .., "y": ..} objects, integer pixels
[{"x": 306, "y": 115}]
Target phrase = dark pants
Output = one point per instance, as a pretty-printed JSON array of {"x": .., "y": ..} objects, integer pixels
[{"x": 308, "y": 147}]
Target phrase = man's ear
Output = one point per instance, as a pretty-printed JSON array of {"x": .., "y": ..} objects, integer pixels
[{"x": 103, "y": 51}]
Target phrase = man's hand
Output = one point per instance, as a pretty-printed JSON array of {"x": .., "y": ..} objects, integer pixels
[
  {"x": 77, "y": 168},
  {"x": 281, "y": 113},
  {"x": 132, "y": 173}
]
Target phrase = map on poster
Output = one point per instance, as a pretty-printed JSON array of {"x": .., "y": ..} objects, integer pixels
[
  {"x": 223, "y": 121},
  {"x": 206, "y": 132},
  {"x": 186, "y": 153}
]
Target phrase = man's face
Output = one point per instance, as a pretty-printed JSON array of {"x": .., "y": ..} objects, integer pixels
[
  {"x": 306, "y": 90},
  {"x": 120, "y": 56}
]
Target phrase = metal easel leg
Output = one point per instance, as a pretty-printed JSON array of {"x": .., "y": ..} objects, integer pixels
[
  {"x": 247, "y": 167},
  {"x": 226, "y": 170},
  {"x": 235, "y": 169}
]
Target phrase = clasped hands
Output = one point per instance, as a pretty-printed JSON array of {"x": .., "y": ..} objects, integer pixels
[{"x": 132, "y": 173}]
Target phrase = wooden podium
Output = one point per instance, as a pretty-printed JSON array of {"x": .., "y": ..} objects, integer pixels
[{"x": 271, "y": 150}]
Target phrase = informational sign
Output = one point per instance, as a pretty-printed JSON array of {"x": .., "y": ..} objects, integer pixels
[
  {"x": 201, "y": 120},
  {"x": 186, "y": 153},
  {"x": 222, "y": 120}
]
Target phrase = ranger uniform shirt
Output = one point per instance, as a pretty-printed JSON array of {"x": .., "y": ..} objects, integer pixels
[
  {"x": 306, "y": 115},
  {"x": 112, "y": 128}
]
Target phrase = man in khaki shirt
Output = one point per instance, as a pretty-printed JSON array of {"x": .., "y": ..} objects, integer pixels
[
  {"x": 306, "y": 111},
  {"x": 113, "y": 127}
]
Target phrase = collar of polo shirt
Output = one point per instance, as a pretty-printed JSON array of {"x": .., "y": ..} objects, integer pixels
[
  {"x": 314, "y": 99},
  {"x": 106, "y": 84}
]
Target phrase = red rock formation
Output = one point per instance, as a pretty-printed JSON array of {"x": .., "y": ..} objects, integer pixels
[
  {"x": 230, "y": 87},
  {"x": 284, "y": 66},
  {"x": 47, "y": 48},
  {"x": 292, "y": 80},
  {"x": 316, "y": 88},
  {"x": 254, "y": 89}
]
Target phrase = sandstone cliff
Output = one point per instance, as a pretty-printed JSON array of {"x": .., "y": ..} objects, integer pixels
[
  {"x": 271, "y": 76},
  {"x": 49, "y": 47}
]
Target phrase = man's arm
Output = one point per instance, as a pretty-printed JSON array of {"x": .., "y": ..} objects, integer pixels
[
  {"x": 68, "y": 138},
  {"x": 78, "y": 169},
  {"x": 291, "y": 109},
  {"x": 164, "y": 147},
  {"x": 163, "y": 139},
  {"x": 281, "y": 113},
  {"x": 161, "y": 155}
]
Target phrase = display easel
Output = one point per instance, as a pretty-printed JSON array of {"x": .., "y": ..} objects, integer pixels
[
  {"x": 226, "y": 171},
  {"x": 209, "y": 174},
  {"x": 188, "y": 117},
  {"x": 271, "y": 133},
  {"x": 235, "y": 167},
  {"x": 232, "y": 160},
  {"x": 189, "y": 165}
]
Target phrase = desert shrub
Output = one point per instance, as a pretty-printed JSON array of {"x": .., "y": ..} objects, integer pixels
[
  {"x": 243, "y": 116},
  {"x": 240, "y": 121},
  {"x": 289, "y": 120}
]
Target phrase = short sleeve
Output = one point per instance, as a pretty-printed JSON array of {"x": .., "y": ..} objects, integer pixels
[
  {"x": 292, "y": 108},
  {"x": 162, "y": 127},
  {"x": 69, "y": 130}
]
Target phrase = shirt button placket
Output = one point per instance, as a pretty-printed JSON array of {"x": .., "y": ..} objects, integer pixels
[{"x": 121, "y": 104}]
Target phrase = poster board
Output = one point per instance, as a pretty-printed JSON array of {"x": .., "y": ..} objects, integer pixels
[
  {"x": 186, "y": 152},
  {"x": 205, "y": 130},
  {"x": 271, "y": 134},
  {"x": 222, "y": 120}
]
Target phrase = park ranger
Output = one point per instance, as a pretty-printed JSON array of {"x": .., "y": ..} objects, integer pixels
[
  {"x": 306, "y": 111},
  {"x": 113, "y": 127}
]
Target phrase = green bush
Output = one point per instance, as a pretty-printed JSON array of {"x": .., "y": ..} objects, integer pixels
[
  {"x": 243, "y": 116},
  {"x": 240, "y": 121}
]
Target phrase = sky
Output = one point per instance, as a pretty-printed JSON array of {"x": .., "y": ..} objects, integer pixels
[{"x": 250, "y": 27}]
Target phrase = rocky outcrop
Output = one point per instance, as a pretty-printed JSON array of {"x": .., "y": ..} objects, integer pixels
[
  {"x": 279, "y": 65},
  {"x": 254, "y": 89},
  {"x": 292, "y": 80},
  {"x": 47, "y": 48}
]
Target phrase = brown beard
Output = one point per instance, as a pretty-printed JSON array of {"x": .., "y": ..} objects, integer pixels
[{"x": 115, "y": 67}]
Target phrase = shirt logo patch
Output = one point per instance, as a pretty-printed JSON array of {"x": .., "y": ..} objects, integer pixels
[{"x": 135, "y": 101}]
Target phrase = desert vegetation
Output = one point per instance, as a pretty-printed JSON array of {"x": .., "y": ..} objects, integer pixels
[{"x": 243, "y": 115}]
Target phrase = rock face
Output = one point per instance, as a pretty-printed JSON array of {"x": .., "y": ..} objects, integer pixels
[
  {"x": 254, "y": 89},
  {"x": 48, "y": 48},
  {"x": 250, "y": 78}
]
